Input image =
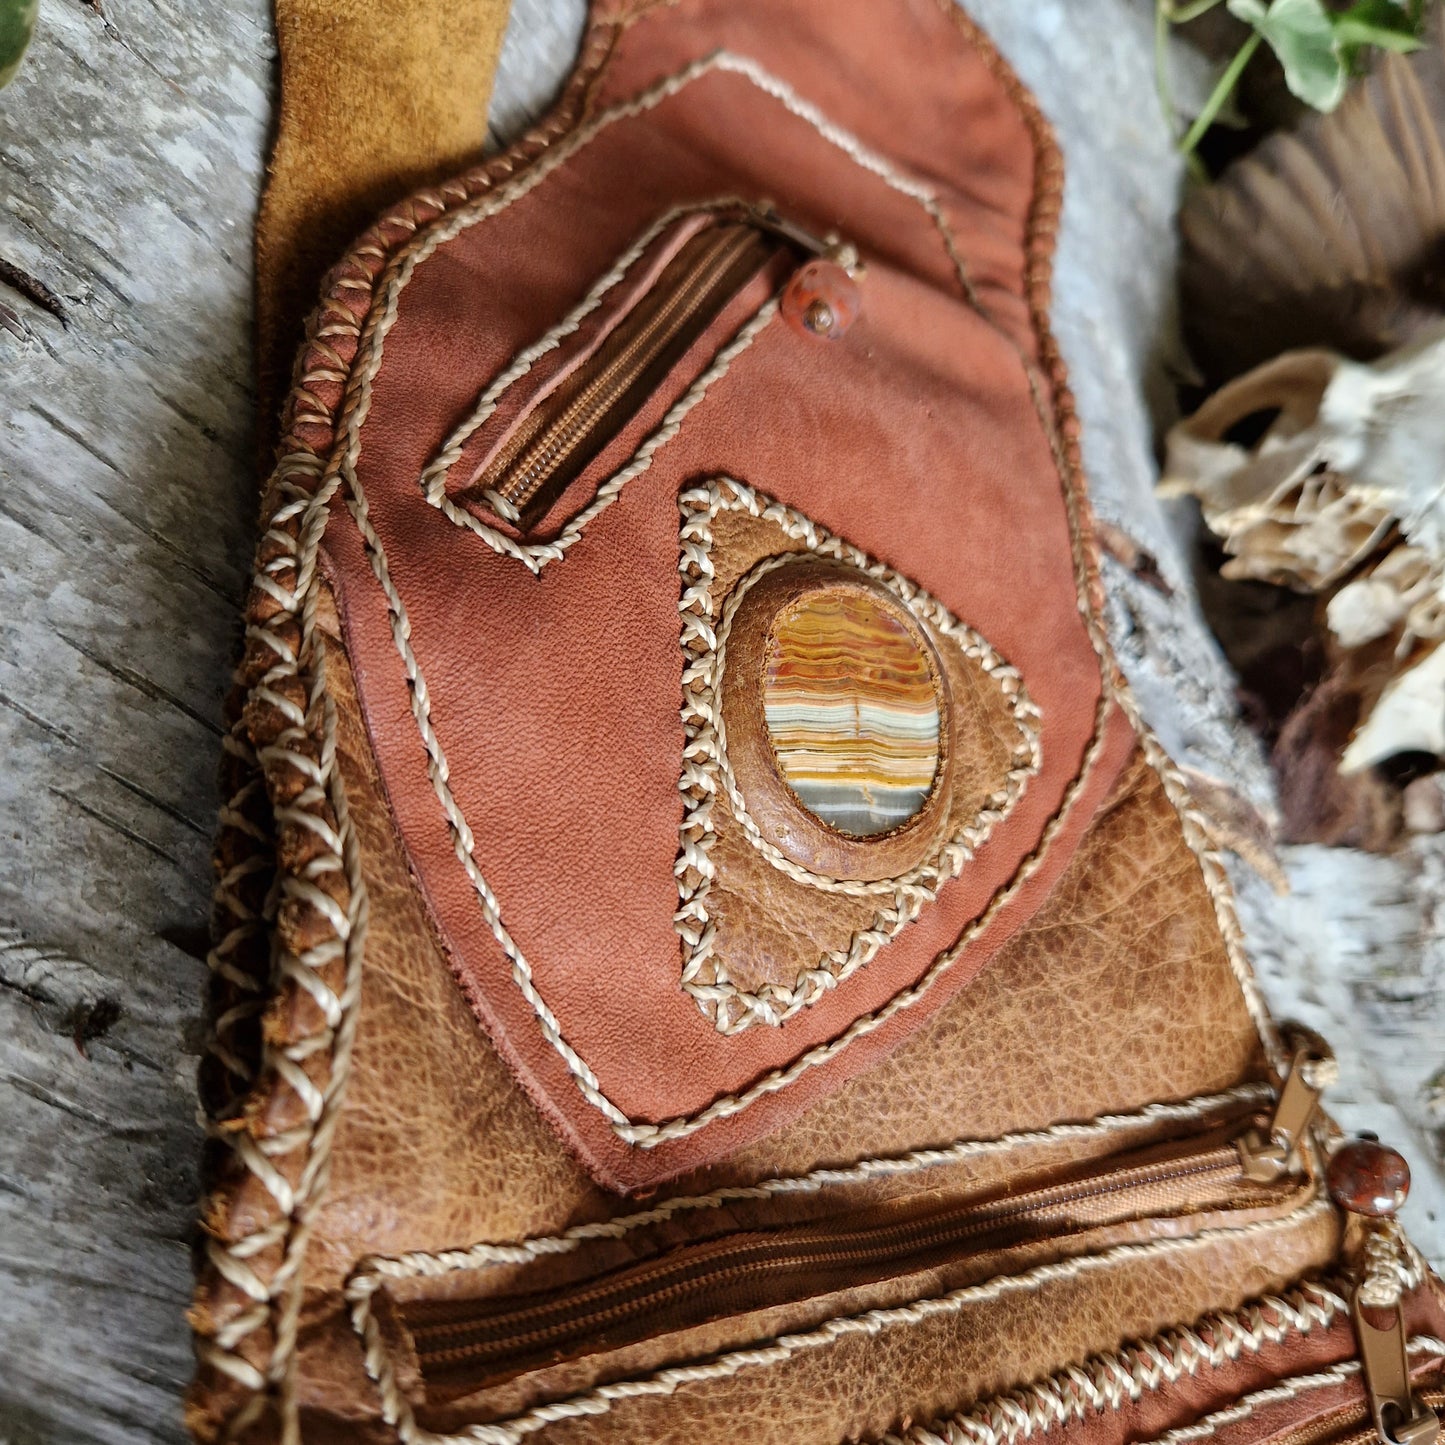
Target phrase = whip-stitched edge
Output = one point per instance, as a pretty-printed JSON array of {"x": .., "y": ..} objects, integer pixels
[
  {"x": 705, "y": 762},
  {"x": 270, "y": 1158},
  {"x": 289, "y": 907},
  {"x": 397, "y": 1409},
  {"x": 1111, "y": 1381}
]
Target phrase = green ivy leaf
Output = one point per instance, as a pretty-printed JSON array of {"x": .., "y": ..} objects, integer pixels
[
  {"x": 1303, "y": 38},
  {"x": 1382, "y": 23},
  {"x": 17, "y": 25}
]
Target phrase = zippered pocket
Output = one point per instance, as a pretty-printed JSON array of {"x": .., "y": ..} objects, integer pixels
[
  {"x": 1354, "y": 1360},
  {"x": 642, "y": 344},
  {"x": 557, "y": 437},
  {"x": 1279, "y": 1371},
  {"x": 1302, "y": 1408},
  {"x": 462, "y": 1341},
  {"x": 1349, "y": 1425}
]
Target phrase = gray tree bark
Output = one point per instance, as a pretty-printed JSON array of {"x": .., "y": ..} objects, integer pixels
[{"x": 131, "y": 152}]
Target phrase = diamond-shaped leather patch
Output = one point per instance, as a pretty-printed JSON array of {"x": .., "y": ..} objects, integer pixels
[{"x": 788, "y": 883}]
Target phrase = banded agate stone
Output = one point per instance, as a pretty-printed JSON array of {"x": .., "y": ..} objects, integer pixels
[{"x": 852, "y": 712}]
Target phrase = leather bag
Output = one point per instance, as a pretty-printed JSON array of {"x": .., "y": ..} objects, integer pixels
[{"x": 706, "y": 945}]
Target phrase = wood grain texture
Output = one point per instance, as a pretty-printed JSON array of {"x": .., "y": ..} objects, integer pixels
[{"x": 130, "y": 159}]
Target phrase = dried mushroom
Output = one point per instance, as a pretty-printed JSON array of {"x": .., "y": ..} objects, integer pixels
[{"x": 1327, "y": 476}]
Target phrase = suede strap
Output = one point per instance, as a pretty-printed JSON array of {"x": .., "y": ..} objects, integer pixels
[{"x": 378, "y": 97}]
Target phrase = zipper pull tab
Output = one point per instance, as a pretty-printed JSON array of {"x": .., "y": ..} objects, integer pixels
[
  {"x": 824, "y": 248},
  {"x": 1268, "y": 1156},
  {"x": 1399, "y": 1418},
  {"x": 1371, "y": 1180}
]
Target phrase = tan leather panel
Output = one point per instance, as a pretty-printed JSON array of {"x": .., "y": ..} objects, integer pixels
[
  {"x": 770, "y": 925},
  {"x": 437, "y": 1144},
  {"x": 864, "y": 1383},
  {"x": 667, "y": 1348},
  {"x": 1178, "y": 1403},
  {"x": 438, "y": 1148},
  {"x": 769, "y": 928},
  {"x": 368, "y": 110},
  {"x": 1117, "y": 993}
]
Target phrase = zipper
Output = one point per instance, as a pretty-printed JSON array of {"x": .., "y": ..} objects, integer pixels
[
  {"x": 464, "y": 1345},
  {"x": 1349, "y": 1425},
  {"x": 556, "y": 440},
  {"x": 1399, "y": 1416},
  {"x": 1369, "y": 1181},
  {"x": 1272, "y": 1153}
]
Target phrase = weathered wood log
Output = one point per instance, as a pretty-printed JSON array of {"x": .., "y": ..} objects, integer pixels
[{"x": 131, "y": 150}]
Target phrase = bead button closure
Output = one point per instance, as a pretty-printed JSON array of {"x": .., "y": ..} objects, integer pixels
[
  {"x": 821, "y": 300},
  {"x": 1369, "y": 1178}
]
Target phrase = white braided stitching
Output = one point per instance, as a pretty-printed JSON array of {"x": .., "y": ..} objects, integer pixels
[
  {"x": 223, "y": 1348},
  {"x": 1291, "y": 1389},
  {"x": 1109, "y": 1382},
  {"x": 705, "y": 762},
  {"x": 1106, "y": 1126},
  {"x": 358, "y": 403},
  {"x": 250, "y": 1339},
  {"x": 397, "y": 1409},
  {"x": 643, "y": 1134}
]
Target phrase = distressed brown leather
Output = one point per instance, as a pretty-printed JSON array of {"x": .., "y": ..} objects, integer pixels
[
  {"x": 456, "y": 1126},
  {"x": 454, "y": 838},
  {"x": 582, "y": 662},
  {"x": 429, "y": 1100},
  {"x": 1207, "y": 1392},
  {"x": 1185, "y": 1401}
]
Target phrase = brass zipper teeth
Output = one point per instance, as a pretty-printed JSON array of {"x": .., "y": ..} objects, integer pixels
[
  {"x": 477, "y": 1340},
  {"x": 530, "y": 470},
  {"x": 840, "y": 1247},
  {"x": 1353, "y": 1420},
  {"x": 713, "y": 266}
]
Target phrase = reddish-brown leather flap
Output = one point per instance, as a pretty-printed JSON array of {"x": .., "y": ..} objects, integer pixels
[{"x": 526, "y": 713}]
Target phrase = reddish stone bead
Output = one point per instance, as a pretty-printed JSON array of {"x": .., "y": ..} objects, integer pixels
[
  {"x": 1367, "y": 1177},
  {"x": 822, "y": 300}
]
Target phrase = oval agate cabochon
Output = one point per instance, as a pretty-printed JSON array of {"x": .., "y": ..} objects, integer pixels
[{"x": 852, "y": 711}]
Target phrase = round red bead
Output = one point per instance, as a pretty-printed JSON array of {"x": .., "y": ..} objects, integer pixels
[
  {"x": 821, "y": 300},
  {"x": 1367, "y": 1177}
]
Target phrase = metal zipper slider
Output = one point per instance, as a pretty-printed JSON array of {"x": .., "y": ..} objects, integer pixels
[
  {"x": 828, "y": 248},
  {"x": 1399, "y": 1418},
  {"x": 1371, "y": 1181},
  {"x": 1268, "y": 1156}
]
